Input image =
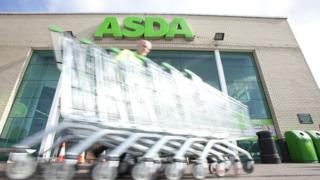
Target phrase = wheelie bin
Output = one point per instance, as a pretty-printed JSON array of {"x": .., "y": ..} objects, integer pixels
[
  {"x": 283, "y": 150},
  {"x": 300, "y": 147},
  {"x": 315, "y": 136}
]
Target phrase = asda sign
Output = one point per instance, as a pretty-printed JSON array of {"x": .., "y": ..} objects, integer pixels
[{"x": 148, "y": 28}]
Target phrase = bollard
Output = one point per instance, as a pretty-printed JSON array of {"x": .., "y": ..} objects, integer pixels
[{"x": 268, "y": 150}]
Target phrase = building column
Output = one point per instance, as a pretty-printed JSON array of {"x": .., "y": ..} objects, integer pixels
[{"x": 221, "y": 76}]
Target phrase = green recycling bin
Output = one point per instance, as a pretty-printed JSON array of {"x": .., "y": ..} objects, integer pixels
[
  {"x": 300, "y": 147},
  {"x": 315, "y": 136}
]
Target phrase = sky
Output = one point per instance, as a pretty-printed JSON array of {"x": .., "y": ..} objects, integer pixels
[{"x": 303, "y": 15}]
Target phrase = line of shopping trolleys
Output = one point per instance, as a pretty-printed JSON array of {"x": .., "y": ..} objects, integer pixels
[{"x": 152, "y": 117}]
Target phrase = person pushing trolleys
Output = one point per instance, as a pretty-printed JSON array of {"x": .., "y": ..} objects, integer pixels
[{"x": 139, "y": 56}]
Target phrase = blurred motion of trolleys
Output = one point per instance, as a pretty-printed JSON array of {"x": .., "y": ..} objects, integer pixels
[{"x": 155, "y": 117}]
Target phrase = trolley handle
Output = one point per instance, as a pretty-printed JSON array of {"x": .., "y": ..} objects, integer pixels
[{"x": 167, "y": 67}]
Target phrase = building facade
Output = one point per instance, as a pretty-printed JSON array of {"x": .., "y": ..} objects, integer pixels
[{"x": 258, "y": 62}]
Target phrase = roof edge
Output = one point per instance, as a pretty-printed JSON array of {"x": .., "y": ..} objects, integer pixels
[{"x": 145, "y": 13}]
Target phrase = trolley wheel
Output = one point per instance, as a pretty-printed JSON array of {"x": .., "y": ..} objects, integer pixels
[
  {"x": 174, "y": 171},
  {"x": 125, "y": 167},
  {"x": 199, "y": 171},
  {"x": 105, "y": 171},
  {"x": 58, "y": 171},
  {"x": 212, "y": 167},
  {"x": 220, "y": 170},
  {"x": 248, "y": 167},
  {"x": 228, "y": 165},
  {"x": 237, "y": 167},
  {"x": 144, "y": 171},
  {"x": 20, "y": 166}
]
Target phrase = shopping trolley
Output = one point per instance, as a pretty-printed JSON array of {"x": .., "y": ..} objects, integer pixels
[{"x": 159, "y": 119}]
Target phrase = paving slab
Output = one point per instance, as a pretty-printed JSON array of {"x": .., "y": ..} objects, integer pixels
[{"x": 290, "y": 171}]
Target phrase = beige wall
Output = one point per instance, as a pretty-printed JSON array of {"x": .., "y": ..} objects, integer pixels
[{"x": 287, "y": 80}]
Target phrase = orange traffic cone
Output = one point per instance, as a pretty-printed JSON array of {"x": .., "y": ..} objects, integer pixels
[
  {"x": 81, "y": 158},
  {"x": 62, "y": 152}
]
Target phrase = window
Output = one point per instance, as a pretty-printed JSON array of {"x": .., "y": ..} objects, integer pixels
[
  {"x": 244, "y": 84},
  {"x": 201, "y": 63},
  {"x": 32, "y": 103}
]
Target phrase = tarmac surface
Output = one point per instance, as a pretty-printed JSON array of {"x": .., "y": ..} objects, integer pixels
[{"x": 290, "y": 171}]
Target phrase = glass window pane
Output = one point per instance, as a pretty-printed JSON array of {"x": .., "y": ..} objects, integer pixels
[
  {"x": 29, "y": 89},
  {"x": 243, "y": 90},
  {"x": 33, "y": 89},
  {"x": 38, "y": 123},
  {"x": 17, "y": 129},
  {"x": 237, "y": 59},
  {"x": 31, "y": 107},
  {"x": 240, "y": 73},
  {"x": 170, "y": 57},
  {"x": 201, "y": 63},
  {"x": 23, "y": 107},
  {"x": 42, "y": 72},
  {"x": 43, "y": 57},
  {"x": 258, "y": 109},
  {"x": 51, "y": 73},
  {"x": 244, "y": 84},
  {"x": 33, "y": 72}
]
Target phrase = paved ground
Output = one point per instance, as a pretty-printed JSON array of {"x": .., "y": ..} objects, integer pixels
[
  {"x": 283, "y": 172},
  {"x": 262, "y": 172}
]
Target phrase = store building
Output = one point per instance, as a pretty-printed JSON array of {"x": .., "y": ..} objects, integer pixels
[{"x": 256, "y": 60}]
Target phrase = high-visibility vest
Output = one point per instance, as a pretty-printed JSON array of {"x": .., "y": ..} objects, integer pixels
[{"x": 128, "y": 55}]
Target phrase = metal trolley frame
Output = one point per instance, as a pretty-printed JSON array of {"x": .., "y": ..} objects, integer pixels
[{"x": 162, "y": 120}]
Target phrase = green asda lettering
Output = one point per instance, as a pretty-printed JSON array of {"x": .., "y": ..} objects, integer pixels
[{"x": 148, "y": 28}]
